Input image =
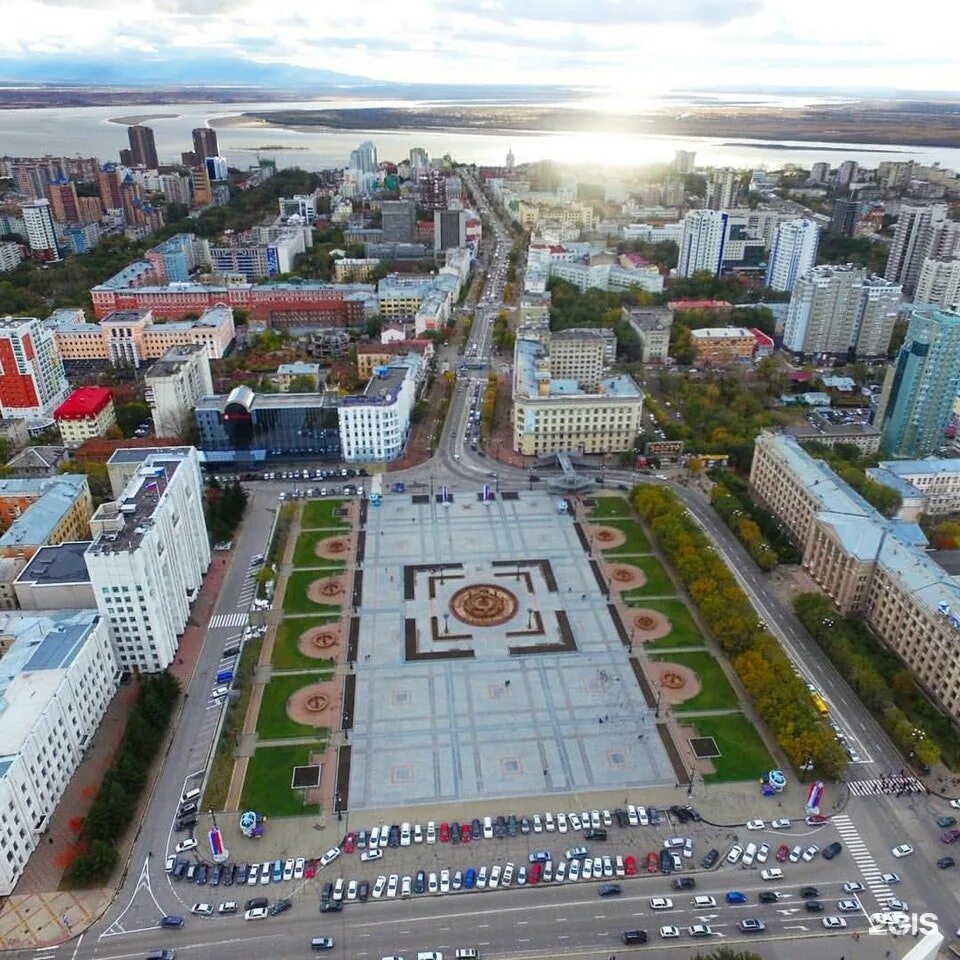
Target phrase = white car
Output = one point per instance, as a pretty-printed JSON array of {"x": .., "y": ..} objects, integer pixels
[
  {"x": 574, "y": 821},
  {"x": 632, "y": 817},
  {"x": 417, "y": 833},
  {"x": 736, "y": 852},
  {"x": 202, "y": 909},
  {"x": 834, "y": 923},
  {"x": 330, "y": 856},
  {"x": 374, "y": 840},
  {"x": 781, "y": 823},
  {"x": 378, "y": 887},
  {"x": 756, "y": 825},
  {"x": 795, "y": 854},
  {"x": 352, "y": 890},
  {"x": 643, "y": 816},
  {"x": 184, "y": 845},
  {"x": 562, "y": 822},
  {"x": 495, "y": 872},
  {"x": 288, "y": 869},
  {"x": 847, "y": 906},
  {"x": 749, "y": 854},
  {"x": 431, "y": 832},
  {"x": 253, "y": 875},
  {"x": 487, "y": 828},
  {"x": 586, "y": 870},
  {"x": 902, "y": 850},
  {"x": 392, "y": 885},
  {"x": 444, "y": 881},
  {"x": 811, "y": 853},
  {"x": 852, "y": 886},
  {"x": 257, "y": 913},
  {"x": 573, "y": 871},
  {"x": 549, "y": 823},
  {"x": 537, "y": 823},
  {"x": 170, "y": 864},
  {"x": 773, "y": 873},
  {"x": 763, "y": 851},
  {"x": 561, "y": 873},
  {"x": 890, "y": 877},
  {"x": 607, "y": 818},
  {"x": 482, "y": 878},
  {"x": 298, "y": 868},
  {"x": 373, "y": 854},
  {"x": 229, "y": 907},
  {"x": 265, "y": 871},
  {"x": 669, "y": 932},
  {"x": 955, "y": 804},
  {"x": 661, "y": 903},
  {"x": 406, "y": 835},
  {"x": 620, "y": 868},
  {"x": 339, "y": 886}
]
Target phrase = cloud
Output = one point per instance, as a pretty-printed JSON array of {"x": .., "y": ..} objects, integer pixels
[{"x": 609, "y": 12}]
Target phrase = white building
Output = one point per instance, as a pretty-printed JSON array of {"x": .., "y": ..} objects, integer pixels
[
  {"x": 939, "y": 283},
  {"x": 653, "y": 233},
  {"x": 173, "y": 385},
  {"x": 603, "y": 272},
  {"x": 57, "y": 677},
  {"x": 794, "y": 252},
  {"x": 11, "y": 256},
  {"x": 148, "y": 557},
  {"x": 299, "y": 205},
  {"x": 32, "y": 381},
  {"x": 933, "y": 483},
  {"x": 702, "y": 242},
  {"x": 374, "y": 425},
  {"x": 41, "y": 233}
]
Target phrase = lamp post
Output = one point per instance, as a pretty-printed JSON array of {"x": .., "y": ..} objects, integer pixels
[
  {"x": 659, "y": 693},
  {"x": 530, "y": 618},
  {"x": 446, "y": 626},
  {"x": 693, "y": 771}
]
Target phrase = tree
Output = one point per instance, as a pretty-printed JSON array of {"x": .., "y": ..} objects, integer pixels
[
  {"x": 303, "y": 383},
  {"x": 97, "y": 478}
]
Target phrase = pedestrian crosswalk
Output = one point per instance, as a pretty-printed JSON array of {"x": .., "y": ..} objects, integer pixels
[
  {"x": 228, "y": 620},
  {"x": 885, "y": 786},
  {"x": 860, "y": 853},
  {"x": 246, "y": 594}
]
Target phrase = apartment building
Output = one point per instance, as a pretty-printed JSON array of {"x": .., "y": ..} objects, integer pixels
[
  {"x": 32, "y": 380},
  {"x": 58, "y": 675},
  {"x": 11, "y": 256},
  {"x": 722, "y": 346},
  {"x": 174, "y": 383},
  {"x": 939, "y": 283},
  {"x": 87, "y": 412},
  {"x": 553, "y": 413},
  {"x": 148, "y": 557},
  {"x": 652, "y": 326},
  {"x": 794, "y": 252},
  {"x": 702, "y": 242},
  {"x": 373, "y": 355},
  {"x": 43, "y": 510}
]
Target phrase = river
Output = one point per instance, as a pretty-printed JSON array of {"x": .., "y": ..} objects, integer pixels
[{"x": 89, "y": 131}]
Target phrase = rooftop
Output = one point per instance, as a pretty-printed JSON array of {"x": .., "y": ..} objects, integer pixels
[
  {"x": 383, "y": 386},
  {"x": 928, "y": 466},
  {"x": 129, "y": 276},
  {"x": 173, "y": 360},
  {"x": 722, "y": 333},
  {"x": 298, "y": 368},
  {"x": 55, "y": 496},
  {"x": 529, "y": 350},
  {"x": 83, "y": 402},
  {"x": 139, "y": 454},
  {"x": 62, "y": 563},
  {"x": 124, "y": 318}
]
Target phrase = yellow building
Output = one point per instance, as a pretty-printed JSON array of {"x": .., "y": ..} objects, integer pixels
[
  {"x": 88, "y": 412},
  {"x": 38, "y": 512}
]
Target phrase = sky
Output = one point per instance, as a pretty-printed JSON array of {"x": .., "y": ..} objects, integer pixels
[{"x": 628, "y": 48}]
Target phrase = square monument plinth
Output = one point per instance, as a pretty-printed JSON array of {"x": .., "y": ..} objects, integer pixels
[{"x": 505, "y": 695}]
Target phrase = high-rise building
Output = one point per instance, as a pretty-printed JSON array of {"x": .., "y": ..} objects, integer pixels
[
  {"x": 923, "y": 230},
  {"x": 205, "y": 144},
  {"x": 148, "y": 557},
  {"x": 683, "y": 161},
  {"x": 399, "y": 221},
  {"x": 217, "y": 168},
  {"x": 702, "y": 242},
  {"x": 510, "y": 161},
  {"x": 174, "y": 384},
  {"x": 32, "y": 381},
  {"x": 845, "y": 215},
  {"x": 922, "y": 385},
  {"x": 126, "y": 157},
  {"x": 939, "y": 283},
  {"x": 41, "y": 233},
  {"x": 188, "y": 158},
  {"x": 364, "y": 158},
  {"x": 794, "y": 252},
  {"x": 837, "y": 310},
  {"x": 722, "y": 189},
  {"x": 109, "y": 179},
  {"x": 419, "y": 160},
  {"x": 200, "y": 185},
  {"x": 820, "y": 172},
  {"x": 449, "y": 229},
  {"x": 31, "y": 179},
  {"x": 432, "y": 189},
  {"x": 64, "y": 204},
  {"x": 143, "y": 148},
  {"x": 846, "y": 174}
]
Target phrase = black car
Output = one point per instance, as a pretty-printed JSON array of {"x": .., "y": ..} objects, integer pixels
[
  {"x": 326, "y": 893},
  {"x": 525, "y": 826},
  {"x": 653, "y": 814},
  {"x": 363, "y": 891},
  {"x": 171, "y": 920},
  {"x": 455, "y": 832},
  {"x": 255, "y": 903},
  {"x": 331, "y": 906},
  {"x": 680, "y": 814},
  {"x": 814, "y": 906},
  {"x": 185, "y": 823},
  {"x": 500, "y": 828},
  {"x": 280, "y": 906},
  {"x": 666, "y": 862},
  {"x": 216, "y": 875},
  {"x": 179, "y": 869},
  {"x": 684, "y": 883},
  {"x": 710, "y": 859},
  {"x": 230, "y": 874},
  {"x": 809, "y": 892},
  {"x": 945, "y": 863},
  {"x": 476, "y": 829},
  {"x": 512, "y": 825},
  {"x": 595, "y": 834},
  {"x": 420, "y": 882},
  {"x": 242, "y": 873},
  {"x": 634, "y": 936},
  {"x": 769, "y": 896},
  {"x": 393, "y": 839},
  {"x": 831, "y": 851},
  {"x": 609, "y": 890},
  {"x": 622, "y": 819},
  {"x": 203, "y": 871}
]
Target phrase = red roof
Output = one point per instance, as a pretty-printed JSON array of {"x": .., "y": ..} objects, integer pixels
[
  {"x": 82, "y": 403},
  {"x": 799, "y": 376},
  {"x": 762, "y": 339},
  {"x": 699, "y": 305}
]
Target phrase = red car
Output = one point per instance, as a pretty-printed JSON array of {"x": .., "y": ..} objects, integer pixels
[
  {"x": 533, "y": 874},
  {"x": 465, "y": 833},
  {"x": 310, "y": 869},
  {"x": 783, "y": 851},
  {"x": 817, "y": 820},
  {"x": 950, "y": 836},
  {"x": 349, "y": 843},
  {"x": 444, "y": 832},
  {"x": 653, "y": 863},
  {"x": 629, "y": 866}
]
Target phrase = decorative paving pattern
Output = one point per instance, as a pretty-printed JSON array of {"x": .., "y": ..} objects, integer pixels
[{"x": 483, "y": 605}]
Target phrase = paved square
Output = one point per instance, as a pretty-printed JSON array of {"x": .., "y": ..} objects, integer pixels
[{"x": 492, "y": 723}]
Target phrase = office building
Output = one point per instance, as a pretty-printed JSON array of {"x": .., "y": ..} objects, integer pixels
[
  {"x": 723, "y": 187},
  {"x": 88, "y": 412},
  {"x": 722, "y": 346},
  {"x": 920, "y": 388},
  {"x": 247, "y": 428},
  {"x": 939, "y": 283},
  {"x": 11, "y": 256},
  {"x": 303, "y": 205},
  {"x": 217, "y": 168},
  {"x": 554, "y": 414},
  {"x": 39, "y": 511},
  {"x": 364, "y": 158},
  {"x": 449, "y": 229},
  {"x": 32, "y": 381},
  {"x": 702, "y": 242},
  {"x": 929, "y": 486},
  {"x": 55, "y": 578},
  {"x": 923, "y": 231},
  {"x": 432, "y": 189},
  {"x": 652, "y": 326},
  {"x": 143, "y": 148},
  {"x": 174, "y": 383},
  {"x": 863, "y": 436},
  {"x": 39, "y": 228},
  {"x": 845, "y": 216},
  {"x": 794, "y": 252},
  {"x": 838, "y": 311},
  {"x": 204, "y": 144},
  {"x": 64, "y": 203},
  {"x": 58, "y": 675},
  {"x": 400, "y": 221},
  {"x": 148, "y": 557},
  {"x": 683, "y": 161},
  {"x": 374, "y": 425}
]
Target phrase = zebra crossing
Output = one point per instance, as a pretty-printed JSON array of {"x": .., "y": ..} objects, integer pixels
[
  {"x": 860, "y": 853},
  {"x": 247, "y": 592},
  {"x": 228, "y": 620},
  {"x": 885, "y": 786}
]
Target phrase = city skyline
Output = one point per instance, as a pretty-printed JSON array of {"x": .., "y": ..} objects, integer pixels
[{"x": 681, "y": 45}]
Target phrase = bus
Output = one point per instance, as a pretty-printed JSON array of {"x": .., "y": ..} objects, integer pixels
[
  {"x": 376, "y": 489},
  {"x": 820, "y": 704}
]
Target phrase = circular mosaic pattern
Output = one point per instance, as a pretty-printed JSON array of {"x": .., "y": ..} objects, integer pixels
[
  {"x": 320, "y": 642},
  {"x": 672, "y": 680},
  {"x": 308, "y": 704},
  {"x": 483, "y": 605}
]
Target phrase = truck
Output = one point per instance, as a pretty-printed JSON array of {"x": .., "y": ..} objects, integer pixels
[{"x": 376, "y": 490}]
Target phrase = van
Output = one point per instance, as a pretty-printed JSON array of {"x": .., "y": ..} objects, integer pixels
[
  {"x": 224, "y": 676},
  {"x": 193, "y": 794}
]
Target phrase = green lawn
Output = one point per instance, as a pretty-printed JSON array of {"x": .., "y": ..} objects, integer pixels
[
  {"x": 295, "y": 599},
  {"x": 684, "y": 632},
  {"x": 272, "y": 721},
  {"x": 716, "y": 692},
  {"x": 266, "y": 787},
  {"x": 321, "y": 514},
  {"x": 305, "y": 554},
  {"x": 658, "y": 583},
  {"x": 286, "y": 655},
  {"x": 613, "y": 506},
  {"x": 744, "y": 755},
  {"x": 636, "y": 539}
]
